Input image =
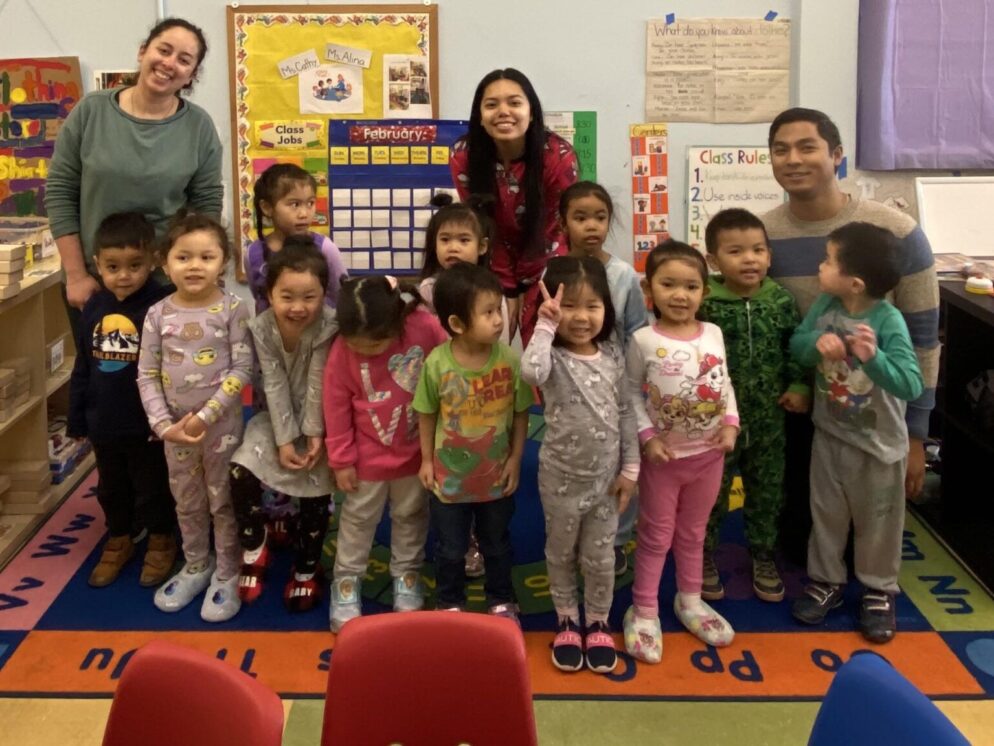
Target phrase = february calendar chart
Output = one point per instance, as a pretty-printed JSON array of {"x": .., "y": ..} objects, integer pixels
[{"x": 382, "y": 175}]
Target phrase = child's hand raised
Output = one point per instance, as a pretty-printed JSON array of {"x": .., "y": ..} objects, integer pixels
[
  {"x": 831, "y": 346},
  {"x": 177, "y": 433},
  {"x": 623, "y": 488},
  {"x": 863, "y": 343},
  {"x": 550, "y": 305}
]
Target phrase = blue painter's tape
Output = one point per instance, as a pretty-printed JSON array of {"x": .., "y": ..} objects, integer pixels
[
  {"x": 670, "y": 18},
  {"x": 843, "y": 167},
  {"x": 770, "y": 16}
]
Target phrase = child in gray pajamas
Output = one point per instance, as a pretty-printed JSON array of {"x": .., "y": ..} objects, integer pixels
[
  {"x": 196, "y": 356},
  {"x": 589, "y": 460}
]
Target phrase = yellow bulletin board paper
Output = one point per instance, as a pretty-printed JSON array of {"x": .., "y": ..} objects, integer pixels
[{"x": 262, "y": 36}]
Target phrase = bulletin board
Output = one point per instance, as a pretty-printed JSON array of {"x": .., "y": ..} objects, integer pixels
[
  {"x": 294, "y": 68},
  {"x": 722, "y": 176},
  {"x": 382, "y": 176}
]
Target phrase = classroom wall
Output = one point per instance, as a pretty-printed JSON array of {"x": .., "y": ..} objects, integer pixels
[{"x": 579, "y": 54}]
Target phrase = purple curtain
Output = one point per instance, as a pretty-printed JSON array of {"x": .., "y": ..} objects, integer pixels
[{"x": 926, "y": 84}]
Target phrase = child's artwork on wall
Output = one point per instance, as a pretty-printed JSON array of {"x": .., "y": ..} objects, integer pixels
[
  {"x": 294, "y": 66},
  {"x": 650, "y": 198},
  {"x": 331, "y": 89},
  {"x": 36, "y": 95}
]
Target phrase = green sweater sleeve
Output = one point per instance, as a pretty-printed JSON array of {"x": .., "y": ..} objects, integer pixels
[
  {"x": 802, "y": 344},
  {"x": 895, "y": 366}
]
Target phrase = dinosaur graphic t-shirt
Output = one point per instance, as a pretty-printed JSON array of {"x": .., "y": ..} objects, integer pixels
[{"x": 475, "y": 411}]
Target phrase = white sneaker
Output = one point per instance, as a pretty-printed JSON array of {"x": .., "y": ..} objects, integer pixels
[
  {"x": 221, "y": 602},
  {"x": 408, "y": 594},
  {"x": 346, "y": 601},
  {"x": 183, "y": 587}
]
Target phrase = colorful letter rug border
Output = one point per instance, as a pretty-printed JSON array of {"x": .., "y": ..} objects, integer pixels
[{"x": 61, "y": 638}]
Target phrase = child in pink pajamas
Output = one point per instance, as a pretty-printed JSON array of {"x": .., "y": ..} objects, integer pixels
[
  {"x": 195, "y": 359},
  {"x": 687, "y": 421}
]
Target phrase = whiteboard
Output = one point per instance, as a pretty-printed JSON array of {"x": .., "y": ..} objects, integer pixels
[
  {"x": 722, "y": 176},
  {"x": 955, "y": 213}
]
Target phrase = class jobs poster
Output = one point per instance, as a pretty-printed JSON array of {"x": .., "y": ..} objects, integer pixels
[
  {"x": 650, "y": 189},
  {"x": 382, "y": 175},
  {"x": 719, "y": 177}
]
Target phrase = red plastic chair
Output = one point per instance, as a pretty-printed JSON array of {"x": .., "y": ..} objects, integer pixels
[
  {"x": 428, "y": 678},
  {"x": 172, "y": 695}
]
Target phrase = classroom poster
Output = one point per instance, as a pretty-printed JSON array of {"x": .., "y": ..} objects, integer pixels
[
  {"x": 36, "y": 95},
  {"x": 579, "y": 129},
  {"x": 650, "y": 190},
  {"x": 717, "y": 69},
  {"x": 382, "y": 175},
  {"x": 315, "y": 65},
  {"x": 727, "y": 176}
]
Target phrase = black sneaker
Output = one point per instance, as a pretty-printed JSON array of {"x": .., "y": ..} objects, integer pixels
[
  {"x": 601, "y": 654},
  {"x": 567, "y": 647},
  {"x": 817, "y": 601},
  {"x": 711, "y": 586},
  {"x": 620, "y": 561},
  {"x": 877, "y": 620},
  {"x": 766, "y": 582}
]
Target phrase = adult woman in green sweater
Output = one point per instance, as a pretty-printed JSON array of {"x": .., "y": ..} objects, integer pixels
[{"x": 141, "y": 148}]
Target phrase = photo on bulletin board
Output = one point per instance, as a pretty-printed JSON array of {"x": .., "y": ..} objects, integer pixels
[{"x": 293, "y": 66}]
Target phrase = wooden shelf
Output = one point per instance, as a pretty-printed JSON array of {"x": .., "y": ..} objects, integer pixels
[
  {"x": 60, "y": 377},
  {"x": 18, "y": 414}
]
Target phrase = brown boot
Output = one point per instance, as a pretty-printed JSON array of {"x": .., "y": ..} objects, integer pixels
[
  {"x": 160, "y": 556},
  {"x": 117, "y": 551}
]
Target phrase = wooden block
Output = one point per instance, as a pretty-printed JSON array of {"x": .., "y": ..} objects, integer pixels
[
  {"x": 10, "y": 252},
  {"x": 13, "y": 266},
  {"x": 30, "y": 502},
  {"x": 22, "y": 398},
  {"x": 9, "y": 291},
  {"x": 7, "y": 376},
  {"x": 22, "y": 467},
  {"x": 21, "y": 365},
  {"x": 10, "y": 278},
  {"x": 4, "y": 483},
  {"x": 29, "y": 482}
]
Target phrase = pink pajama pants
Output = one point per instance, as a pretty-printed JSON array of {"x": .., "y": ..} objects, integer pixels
[{"x": 675, "y": 501}]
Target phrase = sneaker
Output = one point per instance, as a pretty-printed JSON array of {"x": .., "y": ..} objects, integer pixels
[
  {"x": 302, "y": 591},
  {"x": 117, "y": 551},
  {"x": 602, "y": 656},
  {"x": 643, "y": 637},
  {"x": 567, "y": 646},
  {"x": 766, "y": 582},
  {"x": 184, "y": 586},
  {"x": 818, "y": 599},
  {"x": 346, "y": 601},
  {"x": 711, "y": 586},
  {"x": 160, "y": 556},
  {"x": 620, "y": 561},
  {"x": 408, "y": 593},
  {"x": 877, "y": 620},
  {"x": 704, "y": 623},
  {"x": 252, "y": 576},
  {"x": 507, "y": 610},
  {"x": 221, "y": 602},
  {"x": 474, "y": 560}
]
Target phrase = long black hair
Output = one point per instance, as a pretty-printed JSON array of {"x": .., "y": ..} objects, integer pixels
[{"x": 483, "y": 158}]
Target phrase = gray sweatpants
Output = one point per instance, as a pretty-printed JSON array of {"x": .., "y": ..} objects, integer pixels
[
  {"x": 581, "y": 521},
  {"x": 847, "y": 484}
]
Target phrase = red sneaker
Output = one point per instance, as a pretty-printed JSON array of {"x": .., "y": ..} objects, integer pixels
[
  {"x": 302, "y": 592},
  {"x": 253, "y": 574}
]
